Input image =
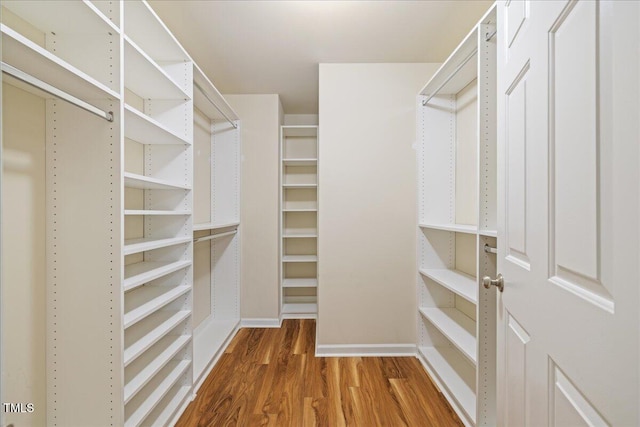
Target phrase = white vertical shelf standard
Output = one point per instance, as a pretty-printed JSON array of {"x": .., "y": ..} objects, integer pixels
[{"x": 456, "y": 119}]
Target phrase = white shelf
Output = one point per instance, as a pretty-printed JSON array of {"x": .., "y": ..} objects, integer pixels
[
  {"x": 458, "y": 328},
  {"x": 160, "y": 416},
  {"x": 299, "y": 130},
  {"x": 208, "y": 338},
  {"x": 489, "y": 233},
  {"x": 211, "y": 226},
  {"x": 300, "y": 162},
  {"x": 80, "y": 17},
  {"x": 147, "y": 30},
  {"x": 458, "y": 228},
  {"x": 150, "y": 212},
  {"x": 300, "y": 283},
  {"x": 300, "y": 308},
  {"x": 148, "y": 299},
  {"x": 132, "y": 180},
  {"x": 165, "y": 322},
  {"x": 457, "y": 282},
  {"x": 144, "y": 77},
  {"x": 143, "y": 272},
  {"x": 300, "y": 258},
  {"x": 134, "y": 246},
  {"x": 300, "y": 210},
  {"x": 288, "y": 234},
  {"x": 145, "y": 130},
  {"x": 23, "y": 54},
  {"x": 166, "y": 380},
  {"x": 455, "y": 374},
  {"x": 286, "y": 186},
  {"x": 171, "y": 345}
]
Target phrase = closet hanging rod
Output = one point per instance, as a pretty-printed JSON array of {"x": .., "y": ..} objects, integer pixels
[
  {"x": 235, "y": 126},
  {"x": 452, "y": 75},
  {"x": 490, "y": 250},
  {"x": 46, "y": 87},
  {"x": 214, "y": 236}
]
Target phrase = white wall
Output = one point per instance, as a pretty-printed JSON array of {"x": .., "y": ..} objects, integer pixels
[
  {"x": 367, "y": 202},
  {"x": 23, "y": 255},
  {"x": 261, "y": 117}
]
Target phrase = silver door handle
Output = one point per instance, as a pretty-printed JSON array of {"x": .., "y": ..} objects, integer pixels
[{"x": 498, "y": 282}]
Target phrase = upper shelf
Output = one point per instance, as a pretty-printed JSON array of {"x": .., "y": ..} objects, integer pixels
[
  {"x": 300, "y": 162},
  {"x": 299, "y": 130},
  {"x": 144, "y": 77},
  {"x": 145, "y": 130},
  {"x": 215, "y": 98},
  {"x": 142, "y": 25},
  {"x": 458, "y": 228},
  {"x": 33, "y": 59}
]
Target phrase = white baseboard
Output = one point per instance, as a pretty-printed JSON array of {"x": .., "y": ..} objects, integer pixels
[
  {"x": 355, "y": 350},
  {"x": 260, "y": 323}
]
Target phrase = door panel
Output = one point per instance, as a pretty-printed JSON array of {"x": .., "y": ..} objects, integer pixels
[{"x": 568, "y": 213}]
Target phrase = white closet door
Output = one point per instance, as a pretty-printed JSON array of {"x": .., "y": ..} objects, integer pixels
[{"x": 568, "y": 332}]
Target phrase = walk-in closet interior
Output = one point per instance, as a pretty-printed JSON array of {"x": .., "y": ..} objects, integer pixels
[{"x": 182, "y": 178}]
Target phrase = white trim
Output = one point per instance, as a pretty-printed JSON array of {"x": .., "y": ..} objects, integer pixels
[
  {"x": 261, "y": 323},
  {"x": 355, "y": 350},
  {"x": 213, "y": 362}
]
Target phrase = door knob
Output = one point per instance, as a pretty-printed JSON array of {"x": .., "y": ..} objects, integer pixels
[{"x": 498, "y": 282}]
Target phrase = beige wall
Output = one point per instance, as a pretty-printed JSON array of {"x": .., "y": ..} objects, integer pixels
[
  {"x": 367, "y": 202},
  {"x": 23, "y": 255},
  {"x": 260, "y": 116}
]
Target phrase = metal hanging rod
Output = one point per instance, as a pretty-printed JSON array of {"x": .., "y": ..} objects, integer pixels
[
  {"x": 490, "y": 36},
  {"x": 458, "y": 68},
  {"x": 214, "y": 236},
  {"x": 235, "y": 126},
  {"x": 490, "y": 250},
  {"x": 46, "y": 87}
]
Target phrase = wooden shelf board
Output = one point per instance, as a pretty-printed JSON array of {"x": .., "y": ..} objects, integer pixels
[
  {"x": 299, "y": 130},
  {"x": 458, "y": 328},
  {"x": 458, "y": 228},
  {"x": 166, "y": 322},
  {"x": 135, "y": 384},
  {"x": 300, "y": 258},
  {"x": 300, "y": 308},
  {"x": 145, "y": 130},
  {"x": 300, "y": 283},
  {"x": 300, "y": 210},
  {"x": 134, "y": 246},
  {"x": 172, "y": 374},
  {"x": 208, "y": 339},
  {"x": 455, "y": 373},
  {"x": 155, "y": 298},
  {"x": 457, "y": 282},
  {"x": 144, "y": 77},
  {"x": 23, "y": 54},
  {"x": 290, "y": 235},
  {"x": 143, "y": 272}
]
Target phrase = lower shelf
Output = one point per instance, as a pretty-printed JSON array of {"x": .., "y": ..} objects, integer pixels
[
  {"x": 300, "y": 283},
  {"x": 208, "y": 338},
  {"x": 300, "y": 308},
  {"x": 161, "y": 416},
  {"x": 456, "y": 375}
]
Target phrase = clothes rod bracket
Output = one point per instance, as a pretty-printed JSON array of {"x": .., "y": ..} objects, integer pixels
[
  {"x": 52, "y": 90},
  {"x": 489, "y": 36},
  {"x": 235, "y": 126}
]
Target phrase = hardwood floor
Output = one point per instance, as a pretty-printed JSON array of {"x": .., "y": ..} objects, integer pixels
[{"x": 270, "y": 377}]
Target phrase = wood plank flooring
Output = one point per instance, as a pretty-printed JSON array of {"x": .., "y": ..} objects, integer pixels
[{"x": 270, "y": 377}]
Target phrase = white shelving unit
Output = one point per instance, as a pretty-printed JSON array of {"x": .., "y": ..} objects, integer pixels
[
  {"x": 456, "y": 217},
  {"x": 122, "y": 337},
  {"x": 217, "y": 229},
  {"x": 299, "y": 221}
]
